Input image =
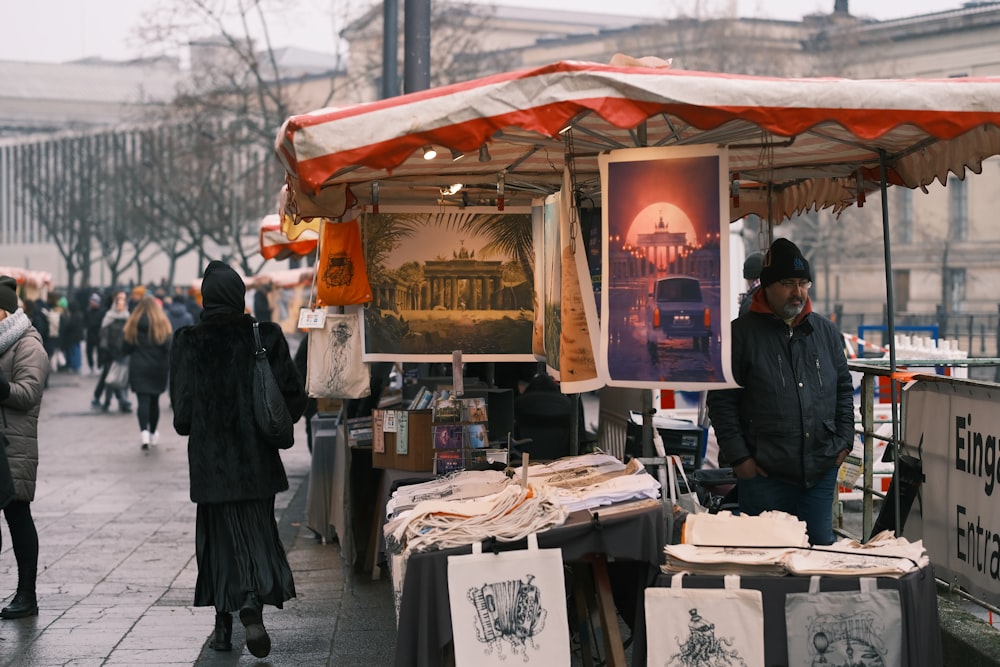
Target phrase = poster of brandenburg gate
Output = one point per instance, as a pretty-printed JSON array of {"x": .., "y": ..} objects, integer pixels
[{"x": 446, "y": 279}]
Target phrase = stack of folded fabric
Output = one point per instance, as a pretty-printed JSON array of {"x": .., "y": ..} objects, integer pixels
[
  {"x": 724, "y": 560},
  {"x": 725, "y": 529},
  {"x": 883, "y": 555}
]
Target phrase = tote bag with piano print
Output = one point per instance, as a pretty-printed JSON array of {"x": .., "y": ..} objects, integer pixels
[
  {"x": 509, "y": 608},
  {"x": 704, "y": 627}
]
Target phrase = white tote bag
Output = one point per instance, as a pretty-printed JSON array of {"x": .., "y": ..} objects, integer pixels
[
  {"x": 844, "y": 627},
  {"x": 335, "y": 367},
  {"x": 685, "y": 496},
  {"x": 509, "y": 608},
  {"x": 704, "y": 626}
]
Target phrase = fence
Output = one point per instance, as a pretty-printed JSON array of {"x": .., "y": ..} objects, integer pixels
[{"x": 976, "y": 333}]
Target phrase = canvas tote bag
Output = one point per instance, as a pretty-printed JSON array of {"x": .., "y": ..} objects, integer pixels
[
  {"x": 335, "y": 368},
  {"x": 509, "y": 608},
  {"x": 844, "y": 627},
  {"x": 704, "y": 626},
  {"x": 342, "y": 276}
]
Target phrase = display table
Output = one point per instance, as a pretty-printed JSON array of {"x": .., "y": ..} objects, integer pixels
[
  {"x": 390, "y": 479},
  {"x": 633, "y": 533},
  {"x": 917, "y": 598}
]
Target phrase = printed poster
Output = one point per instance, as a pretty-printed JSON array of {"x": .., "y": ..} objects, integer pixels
[
  {"x": 446, "y": 279},
  {"x": 665, "y": 301}
]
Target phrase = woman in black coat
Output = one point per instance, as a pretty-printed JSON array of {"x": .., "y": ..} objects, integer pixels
[
  {"x": 147, "y": 342},
  {"x": 234, "y": 474}
]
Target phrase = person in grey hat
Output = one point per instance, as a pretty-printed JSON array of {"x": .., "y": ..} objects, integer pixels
[
  {"x": 234, "y": 475},
  {"x": 751, "y": 273},
  {"x": 24, "y": 366},
  {"x": 789, "y": 426}
]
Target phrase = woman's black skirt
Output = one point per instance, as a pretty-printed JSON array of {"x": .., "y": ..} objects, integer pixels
[{"x": 239, "y": 551}]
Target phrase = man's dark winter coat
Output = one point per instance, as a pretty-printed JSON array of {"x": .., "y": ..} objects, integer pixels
[{"x": 211, "y": 366}]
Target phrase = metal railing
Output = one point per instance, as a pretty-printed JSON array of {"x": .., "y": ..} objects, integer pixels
[{"x": 872, "y": 370}]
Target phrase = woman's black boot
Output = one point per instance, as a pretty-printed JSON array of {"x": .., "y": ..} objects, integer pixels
[
  {"x": 222, "y": 639},
  {"x": 23, "y": 604},
  {"x": 252, "y": 618}
]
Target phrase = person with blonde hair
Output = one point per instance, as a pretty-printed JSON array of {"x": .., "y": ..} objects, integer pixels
[{"x": 147, "y": 342}]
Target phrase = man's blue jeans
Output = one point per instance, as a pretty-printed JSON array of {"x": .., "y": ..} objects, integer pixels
[{"x": 813, "y": 505}]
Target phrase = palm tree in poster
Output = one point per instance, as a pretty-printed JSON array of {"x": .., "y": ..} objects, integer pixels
[{"x": 508, "y": 235}]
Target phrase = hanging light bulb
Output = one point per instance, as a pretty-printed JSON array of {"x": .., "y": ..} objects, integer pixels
[
  {"x": 456, "y": 155},
  {"x": 430, "y": 153},
  {"x": 484, "y": 153}
]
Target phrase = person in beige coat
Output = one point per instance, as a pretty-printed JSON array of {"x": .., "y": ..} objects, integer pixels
[{"x": 23, "y": 368}]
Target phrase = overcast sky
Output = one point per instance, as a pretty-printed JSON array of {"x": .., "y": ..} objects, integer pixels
[{"x": 61, "y": 30}]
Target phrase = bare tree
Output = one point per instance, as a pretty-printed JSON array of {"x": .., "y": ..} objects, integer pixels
[{"x": 213, "y": 175}]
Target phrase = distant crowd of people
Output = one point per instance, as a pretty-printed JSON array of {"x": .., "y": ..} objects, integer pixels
[{"x": 70, "y": 326}]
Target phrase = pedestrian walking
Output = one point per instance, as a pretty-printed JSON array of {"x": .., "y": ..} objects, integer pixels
[
  {"x": 234, "y": 475},
  {"x": 57, "y": 359},
  {"x": 71, "y": 333},
  {"x": 262, "y": 303},
  {"x": 92, "y": 316},
  {"x": 24, "y": 366},
  {"x": 147, "y": 342},
  {"x": 177, "y": 312},
  {"x": 111, "y": 348}
]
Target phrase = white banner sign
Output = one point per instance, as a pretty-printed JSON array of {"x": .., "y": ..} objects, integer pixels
[{"x": 956, "y": 427}]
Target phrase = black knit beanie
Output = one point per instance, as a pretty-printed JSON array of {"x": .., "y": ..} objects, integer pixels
[
  {"x": 8, "y": 294},
  {"x": 784, "y": 260}
]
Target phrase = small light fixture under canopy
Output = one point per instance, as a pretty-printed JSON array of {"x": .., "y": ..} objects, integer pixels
[{"x": 430, "y": 153}]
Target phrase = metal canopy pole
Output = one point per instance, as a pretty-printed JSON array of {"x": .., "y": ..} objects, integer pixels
[
  {"x": 390, "y": 48},
  {"x": 416, "y": 45},
  {"x": 891, "y": 332}
]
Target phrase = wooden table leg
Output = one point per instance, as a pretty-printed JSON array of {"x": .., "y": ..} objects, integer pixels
[{"x": 614, "y": 649}]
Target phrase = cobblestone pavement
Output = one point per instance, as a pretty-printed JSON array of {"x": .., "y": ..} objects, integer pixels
[{"x": 116, "y": 558}]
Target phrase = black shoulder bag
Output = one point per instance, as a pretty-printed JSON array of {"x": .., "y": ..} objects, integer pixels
[{"x": 274, "y": 423}]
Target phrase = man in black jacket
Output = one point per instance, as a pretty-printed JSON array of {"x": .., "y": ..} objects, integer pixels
[{"x": 790, "y": 425}]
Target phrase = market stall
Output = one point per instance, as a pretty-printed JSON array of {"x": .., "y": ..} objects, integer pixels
[
  {"x": 33, "y": 284},
  {"x": 506, "y": 141}
]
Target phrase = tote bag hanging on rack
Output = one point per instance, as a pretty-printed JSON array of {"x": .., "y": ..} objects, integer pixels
[
  {"x": 335, "y": 368},
  {"x": 699, "y": 626},
  {"x": 845, "y": 627},
  {"x": 509, "y": 608},
  {"x": 342, "y": 277}
]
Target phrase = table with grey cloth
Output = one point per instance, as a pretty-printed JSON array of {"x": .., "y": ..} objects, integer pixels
[
  {"x": 625, "y": 535},
  {"x": 917, "y": 598}
]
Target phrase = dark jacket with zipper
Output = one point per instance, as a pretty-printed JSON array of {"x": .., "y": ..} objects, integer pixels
[
  {"x": 211, "y": 365},
  {"x": 794, "y": 410}
]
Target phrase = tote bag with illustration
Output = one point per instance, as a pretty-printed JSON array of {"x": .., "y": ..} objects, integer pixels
[
  {"x": 509, "y": 608},
  {"x": 341, "y": 274},
  {"x": 845, "y": 627},
  {"x": 334, "y": 365},
  {"x": 702, "y": 626}
]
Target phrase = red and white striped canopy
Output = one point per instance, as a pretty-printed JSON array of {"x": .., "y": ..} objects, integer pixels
[
  {"x": 275, "y": 244},
  {"x": 811, "y": 143}
]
